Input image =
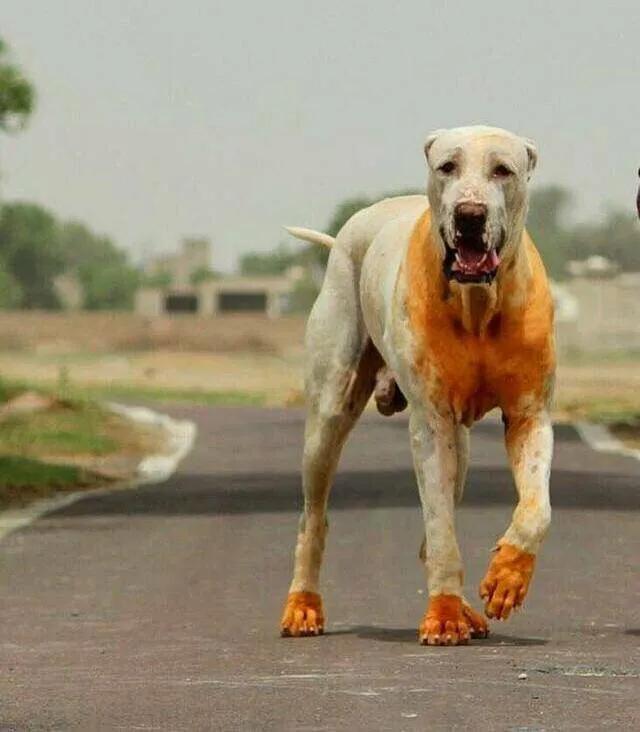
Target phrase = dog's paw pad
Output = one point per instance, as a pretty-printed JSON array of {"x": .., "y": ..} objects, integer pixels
[{"x": 303, "y": 615}]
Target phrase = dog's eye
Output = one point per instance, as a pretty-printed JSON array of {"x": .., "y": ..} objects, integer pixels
[
  {"x": 447, "y": 168},
  {"x": 501, "y": 171}
]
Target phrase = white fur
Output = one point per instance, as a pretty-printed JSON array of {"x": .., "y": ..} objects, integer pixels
[{"x": 363, "y": 296}]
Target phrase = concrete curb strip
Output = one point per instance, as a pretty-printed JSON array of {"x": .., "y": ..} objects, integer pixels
[
  {"x": 600, "y": 438},
  {"x": 152, "y": 469}
]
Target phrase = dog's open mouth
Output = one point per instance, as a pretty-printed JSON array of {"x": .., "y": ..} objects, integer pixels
[{"x": 470, "y": 260}]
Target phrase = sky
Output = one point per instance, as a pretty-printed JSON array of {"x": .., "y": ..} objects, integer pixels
[{"x": 158, "y": 120}]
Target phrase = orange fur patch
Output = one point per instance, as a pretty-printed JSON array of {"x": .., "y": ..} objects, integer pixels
[
  {"x": 445, "y": 622},
  {"x": 303, "y": 615},
  {"x": 480, "y": 348},
  {"x": 507, "y": 580}
]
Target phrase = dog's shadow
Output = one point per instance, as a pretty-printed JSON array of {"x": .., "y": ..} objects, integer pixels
[{"x": 409, "y": 635}]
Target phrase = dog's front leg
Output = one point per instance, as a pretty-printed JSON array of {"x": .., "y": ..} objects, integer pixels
[
  {"x": 529, "y": 442},
  {"x": 435, "y": 457}
]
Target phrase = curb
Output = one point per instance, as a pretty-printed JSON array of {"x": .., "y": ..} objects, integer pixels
[
  {"x": 151, "y": 469},
  {"x": 600, "y": 438}
]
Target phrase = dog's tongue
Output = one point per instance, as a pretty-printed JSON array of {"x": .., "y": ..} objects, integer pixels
[{"x": 474, "y": 261}]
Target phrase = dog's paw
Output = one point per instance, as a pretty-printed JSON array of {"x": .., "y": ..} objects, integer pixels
[
  {"x": 445, "y": 623},
  {"x": 302, "y": 615},
  {"x": 479, "y": 626},
  {"x": 507, "y": 580}
]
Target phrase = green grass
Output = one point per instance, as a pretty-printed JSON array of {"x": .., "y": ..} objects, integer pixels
[
  {"x": 23, "y": 480},
  {"x": 129, "y": 392},
  {"x": 78, "y": 428},
  {"x": 184, "y": 396},
  {"x": 19, "y": 472},
  {"x": 74, "y": 429},
  {"x": 86, "y": 394}
]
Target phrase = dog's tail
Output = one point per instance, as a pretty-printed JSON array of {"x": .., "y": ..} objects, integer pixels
[{"x": 314, "y": 237}]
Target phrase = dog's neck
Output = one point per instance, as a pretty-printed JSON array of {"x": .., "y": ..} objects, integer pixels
[{"x": 475, "y": 307}]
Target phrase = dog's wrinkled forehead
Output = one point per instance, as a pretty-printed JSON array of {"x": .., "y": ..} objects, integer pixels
[{"x": 481, "y": 144}]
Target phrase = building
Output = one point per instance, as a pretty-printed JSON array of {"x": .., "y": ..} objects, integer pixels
[
  {"x": 184, "y": 283},
  {"x": 69, "y": 291},
  {"x": 180, "y": 268},
  {"x": 268, "y": 295}
]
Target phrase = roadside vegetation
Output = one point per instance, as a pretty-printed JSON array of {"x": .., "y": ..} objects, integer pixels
[{"x": 52, "y": 442}]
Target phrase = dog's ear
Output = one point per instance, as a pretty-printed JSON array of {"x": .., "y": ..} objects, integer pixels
[
  {"x": 532, "y": 155},
  {"x": 429, "y": 142}
]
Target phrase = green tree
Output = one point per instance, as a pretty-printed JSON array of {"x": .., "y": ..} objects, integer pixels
[
  {"x": 204, "y": 274},
  {"x": 109, "y": 287},
  {"x": 17, "y": 95},
  {"x": 31, "y": 251},
  {"x": 616, "y": 237},
  {"x": 108, "y": 280},
  {"x": 547, "y": 225},
  {"x": 10, "y": 291},
  {"x": 275, "y": 262}
]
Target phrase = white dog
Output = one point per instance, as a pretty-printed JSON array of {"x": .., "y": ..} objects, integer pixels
[{"x": 450, "y": 294}]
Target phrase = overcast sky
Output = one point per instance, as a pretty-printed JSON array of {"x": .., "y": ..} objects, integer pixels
[{"x": 158, "y": 119}]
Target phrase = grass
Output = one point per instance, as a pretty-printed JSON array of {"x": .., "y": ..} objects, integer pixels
[
  {"x": 72, "y": 444},
  {"x": 167, "y": 395},
  {"x": 71, "y": 429},
  {"x": 78, "y": 394},
  {"x": 23, "y": 480}
]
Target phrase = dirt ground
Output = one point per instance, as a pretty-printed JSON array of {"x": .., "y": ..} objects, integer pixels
[
  {"x": 238, "y": 354},
  {"x": 587, "y": 389}
]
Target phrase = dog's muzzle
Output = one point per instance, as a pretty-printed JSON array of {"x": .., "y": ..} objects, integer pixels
[{"x": 470, "y": 257}]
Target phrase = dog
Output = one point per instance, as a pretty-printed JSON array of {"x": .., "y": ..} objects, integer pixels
[{"x": 442, "y": 302}]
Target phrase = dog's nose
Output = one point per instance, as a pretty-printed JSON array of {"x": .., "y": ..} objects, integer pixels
[{"x": 470, "y": 216}]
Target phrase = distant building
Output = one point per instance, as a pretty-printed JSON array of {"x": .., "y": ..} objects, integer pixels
[
  {"x": 181, "y": 266},
  {"x": 594, "y": 267},
  {"x": 69, "y": 291},
  {"x": 598, "y": 312},
  {"x": 268, "y": 295},
  {"x": 182, "y": 293}
]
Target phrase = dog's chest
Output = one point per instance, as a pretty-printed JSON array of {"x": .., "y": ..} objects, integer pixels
[{"x": 469, "y": 375}]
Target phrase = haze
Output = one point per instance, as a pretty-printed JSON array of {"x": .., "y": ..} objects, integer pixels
[{"x": 159, "y": 119}]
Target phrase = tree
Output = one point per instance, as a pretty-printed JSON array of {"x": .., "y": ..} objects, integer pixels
[
  {"x": 204, "y": 274},
  {"x": 108, "y": 280},
  {"x": 546, "y": 223},
  {"x": 31, "y": 252},
  {"x": 10, "y": 291},
  {"x": 275, "y": 262},
  {"x": 17, "y": 95}
]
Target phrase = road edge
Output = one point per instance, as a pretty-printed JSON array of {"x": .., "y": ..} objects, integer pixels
[
  {"x": 154, "y": 468},
  {"x": 601, "y": 439}
]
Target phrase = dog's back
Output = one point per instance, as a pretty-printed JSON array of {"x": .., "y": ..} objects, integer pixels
[{"x": 362, "y": 228}]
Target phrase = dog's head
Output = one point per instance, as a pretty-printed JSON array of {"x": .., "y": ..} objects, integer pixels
[{"x": 478, "y": 193}]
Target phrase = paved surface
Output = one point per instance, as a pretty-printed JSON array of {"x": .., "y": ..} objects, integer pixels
[{"x": 159, "y": 608}]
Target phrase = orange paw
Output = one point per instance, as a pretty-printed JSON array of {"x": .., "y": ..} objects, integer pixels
[
  {"x": 507, "y": 580},
  {"x": 302, "y": 615},
  {"x": 445, "y": 623}
]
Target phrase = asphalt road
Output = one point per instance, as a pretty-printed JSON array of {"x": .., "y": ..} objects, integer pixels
[{"x": 158, "y": 609}]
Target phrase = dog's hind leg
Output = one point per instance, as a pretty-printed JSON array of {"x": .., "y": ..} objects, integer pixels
[{"x": 341, "y": 371}]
